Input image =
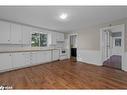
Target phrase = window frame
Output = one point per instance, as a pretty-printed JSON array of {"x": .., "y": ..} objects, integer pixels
[{"x": 40, "y": 38}]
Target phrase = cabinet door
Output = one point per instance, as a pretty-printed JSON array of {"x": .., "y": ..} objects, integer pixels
[
  {"x": 57, "y": 37},
  {"x": 4, "y": 32},
  {"x": 26, "y": 36},
  {"x": 40, "y": 57},
  {"x": 55, "y": 55},
  {"x": 54, "y": 36},
  {"x": 5, "y": 61},
  {"x": 33, "y": 58},
  {"x": 47, "y": 56},
  {"x": 44, "y": 56},
  {"x": 16, "y": 34},
  {"x": 27, "y": 58},
  {"x": 18, "y": 60},
  {"x": 60, "y": 37}
]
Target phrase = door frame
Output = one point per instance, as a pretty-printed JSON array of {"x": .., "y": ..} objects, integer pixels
[
  {"x": 69, "y": 35},
  {"x": 122, "y": 26}
]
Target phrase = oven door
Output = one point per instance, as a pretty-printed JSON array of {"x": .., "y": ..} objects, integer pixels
[{"x": 63, "y": 52}]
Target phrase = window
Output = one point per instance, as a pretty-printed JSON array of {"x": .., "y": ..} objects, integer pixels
[
  {"x": 35, "y": 40},
  {"x": 43, "y": 40},
  {"x": 39, "y": 40},
  {"x": 118, "y": 42}
]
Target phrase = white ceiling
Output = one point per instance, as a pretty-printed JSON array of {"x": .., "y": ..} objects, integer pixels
[{"x": 47, "y": 16}]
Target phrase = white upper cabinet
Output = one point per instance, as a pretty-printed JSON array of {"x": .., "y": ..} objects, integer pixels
[
  {"x": 56, "y": 37},
  {"x": 4, "y": 32},
  {"x": 12, "y": 33},
  {"x": 59, "y": 36},
  {"x": 26, "y": 35},
  {"x": 16, "y": 34},
  {"x": 5, "y": 61},
  {"x": 53, "y": 38}
]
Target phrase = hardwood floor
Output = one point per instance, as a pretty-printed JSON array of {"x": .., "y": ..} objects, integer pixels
[
  {"x": 114, "y": 62},
  {"x": 65, "y": 74}
]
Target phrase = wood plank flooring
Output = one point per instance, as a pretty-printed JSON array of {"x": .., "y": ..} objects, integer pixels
[{"x": 65, "y": 74}]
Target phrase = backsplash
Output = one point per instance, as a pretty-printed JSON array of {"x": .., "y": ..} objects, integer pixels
[{"x": 17, "y": 46}]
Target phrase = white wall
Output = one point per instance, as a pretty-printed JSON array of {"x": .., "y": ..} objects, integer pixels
[
  {"x": 89, "y": 39},
  {"x": 89, "y": 56},
  {"x": 88, "y": 44}
]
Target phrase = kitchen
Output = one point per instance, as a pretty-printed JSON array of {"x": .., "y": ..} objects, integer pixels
[
  {"x": 63, "y": 47},
  {"x": 24, "y": 45}
]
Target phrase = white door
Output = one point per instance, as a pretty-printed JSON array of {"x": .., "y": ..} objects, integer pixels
[
  {"x": 4, "y": 32},
  {"x": 18, "y": 60},
  {"x": 16, "y": 34},
  {"x": 5, "y": 61},
  {"x": 112, "y": 46},
  {"x": 106, "y": 44}
]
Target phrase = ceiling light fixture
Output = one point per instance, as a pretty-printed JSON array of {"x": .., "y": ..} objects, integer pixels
[{"x": 63, "y": 16}]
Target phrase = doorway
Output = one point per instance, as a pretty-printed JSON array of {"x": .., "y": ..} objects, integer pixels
[
  {"x": 112, "y": 46},
  {"x": 73, "y": 47}
]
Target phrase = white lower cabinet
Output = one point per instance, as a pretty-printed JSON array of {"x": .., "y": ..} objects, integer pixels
[
  {"x": 27, "y": 58},
  {"x": 47, "y": 56},
  {"x": 33, "y": 58},
  {"x": 43, "y": 57},
  {"x": 5, "y": 61},
  {"x": 55, "y": 55},
  {"x": 18, "y": 60},
  {"x": 40, "y": 57}
]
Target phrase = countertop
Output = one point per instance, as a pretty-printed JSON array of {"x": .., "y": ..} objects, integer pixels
[{"x": 12, "y": 50}]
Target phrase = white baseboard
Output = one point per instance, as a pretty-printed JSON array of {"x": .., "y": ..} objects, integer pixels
[{"x": 89, "y": 56}]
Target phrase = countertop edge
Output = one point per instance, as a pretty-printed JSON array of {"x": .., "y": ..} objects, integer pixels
[{"x": 14, "y": 51}]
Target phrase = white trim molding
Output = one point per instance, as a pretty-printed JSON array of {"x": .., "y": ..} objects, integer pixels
[
  {"x": 124, "y": 65},
  {"x": 89, "y": 56}
]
